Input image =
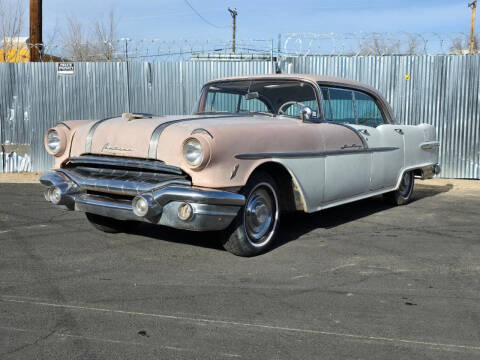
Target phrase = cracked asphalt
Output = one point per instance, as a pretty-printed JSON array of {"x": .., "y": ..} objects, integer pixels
[{"x": 360, "y": 281}]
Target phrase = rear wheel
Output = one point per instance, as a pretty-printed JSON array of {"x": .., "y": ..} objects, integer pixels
[
  {"x": 403, "y": 195},
  {"x": 109, "y": 225},
  {"x": 255, "y": 228}
]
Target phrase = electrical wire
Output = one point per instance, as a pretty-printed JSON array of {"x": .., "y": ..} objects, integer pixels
[{"x": 201, "y": 17}]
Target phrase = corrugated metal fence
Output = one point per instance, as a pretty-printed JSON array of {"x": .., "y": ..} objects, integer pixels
[{"x": 443, "y": 90}]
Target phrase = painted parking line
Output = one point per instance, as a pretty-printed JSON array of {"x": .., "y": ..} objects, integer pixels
[
  {"x": 199, "y": 320},
  {"x": 113, "y": 341}
]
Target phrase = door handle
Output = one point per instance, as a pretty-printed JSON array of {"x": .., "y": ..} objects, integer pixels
[
  {"x": 400, "y": 131},
  {"x": 364, "y": 131}
]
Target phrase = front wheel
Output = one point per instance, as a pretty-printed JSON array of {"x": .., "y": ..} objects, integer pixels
[
  {"x": 403, "y": 195},
  {"x": 255, "y": 228}
]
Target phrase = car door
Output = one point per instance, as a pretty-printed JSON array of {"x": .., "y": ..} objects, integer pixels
[
  {"x": 346, "y": 175},
  {"x": 385, "y": 142}
]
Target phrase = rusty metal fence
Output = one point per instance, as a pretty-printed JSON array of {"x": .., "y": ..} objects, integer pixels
[{"x": 443, "y": 90}]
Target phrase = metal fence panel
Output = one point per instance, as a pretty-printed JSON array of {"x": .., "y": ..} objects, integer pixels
[{"x": 443, "y": 90}]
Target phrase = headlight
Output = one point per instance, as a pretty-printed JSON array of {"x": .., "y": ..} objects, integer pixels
[
  {"x": 193, "y": 152},
  {"x": 55, "y": 141}
]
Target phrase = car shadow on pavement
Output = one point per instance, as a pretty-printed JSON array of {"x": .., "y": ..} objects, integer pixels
[
  {"x": 206, "y": 239},
  {"x": 300, "y": 223},
  {"x": 295, "y": 224}
]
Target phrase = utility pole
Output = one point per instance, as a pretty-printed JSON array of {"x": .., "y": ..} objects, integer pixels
[
  {"x": 473, "y": 6},
  {"x": 234, "y": 14},
  {"x": 36, "y": 30},
  {"x": 126, "y": 47}
]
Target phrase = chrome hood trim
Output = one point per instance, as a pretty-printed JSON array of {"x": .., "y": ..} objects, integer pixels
[{"x": 154, "y": 139}]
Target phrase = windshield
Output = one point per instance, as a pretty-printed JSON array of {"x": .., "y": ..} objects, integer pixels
[{"x": 272, "y": 97}]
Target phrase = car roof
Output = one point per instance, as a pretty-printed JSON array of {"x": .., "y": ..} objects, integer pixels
[
  {"x": 322, "y": 80},
  {"x": 327, "y": 80}
]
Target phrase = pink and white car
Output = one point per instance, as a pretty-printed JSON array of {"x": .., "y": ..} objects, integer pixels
[{"x": 256, "y": 147}]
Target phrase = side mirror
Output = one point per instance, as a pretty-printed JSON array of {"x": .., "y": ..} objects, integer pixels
[
  {"x": 252, "y": 95},
  {"x": 306, "y": 113}
]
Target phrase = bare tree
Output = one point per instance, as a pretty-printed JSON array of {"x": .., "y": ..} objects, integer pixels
[
  {"x": 461, "y": 44},
  {"x": 412, "y": 44},
  {"x": 11, "y": 24},
  {"x": 105, "y": 37},
  {"x": 75, "y": 41},
  {"x": 378, "y": 44},
  {"x": 96, "y": 42}
]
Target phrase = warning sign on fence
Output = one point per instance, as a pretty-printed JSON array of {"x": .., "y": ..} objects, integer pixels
[{"x": 65, "y": 68}]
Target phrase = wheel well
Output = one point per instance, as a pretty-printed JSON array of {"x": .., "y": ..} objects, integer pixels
[{"x": 290, "y": 197}]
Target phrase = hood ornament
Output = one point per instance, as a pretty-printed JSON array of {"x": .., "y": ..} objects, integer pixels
[{"x": 133, "y": 116}]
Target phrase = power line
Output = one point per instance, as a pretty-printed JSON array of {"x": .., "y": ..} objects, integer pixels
[{"x": 201, "y": 17}]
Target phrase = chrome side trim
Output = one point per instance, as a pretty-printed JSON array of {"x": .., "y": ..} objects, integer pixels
[
  {"x": 88, "y": 139},
  {"x": 125, "y": 162},
  {"x": 356, "y": 131},
  {"x": 313, "y": 154},
  {"x": 154, "y": 139}
]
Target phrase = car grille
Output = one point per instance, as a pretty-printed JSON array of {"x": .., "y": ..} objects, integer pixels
[{"x": 124, "y": 176}]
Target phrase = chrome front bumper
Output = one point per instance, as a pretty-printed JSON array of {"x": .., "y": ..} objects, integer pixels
[{"x": 209, "y": 209}]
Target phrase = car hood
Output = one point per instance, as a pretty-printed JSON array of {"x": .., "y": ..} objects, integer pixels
[{"x": 162, "y": 137}]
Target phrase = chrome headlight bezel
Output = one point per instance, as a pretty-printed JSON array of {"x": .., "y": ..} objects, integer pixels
[
  {"x": 55, "y": 141},
  {"x": 193, "y": 152},
  {"x": 196, "y": 152}
]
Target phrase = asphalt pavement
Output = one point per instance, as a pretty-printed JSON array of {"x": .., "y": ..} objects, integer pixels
[{"x": 360, "y": 281}]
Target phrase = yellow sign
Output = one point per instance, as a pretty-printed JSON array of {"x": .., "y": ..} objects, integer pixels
[
  {"x": 15, "y": 55},
  {"x": 407, "y": 77}
]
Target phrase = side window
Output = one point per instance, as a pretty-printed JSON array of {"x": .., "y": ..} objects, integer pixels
[
  {"x": 326, "y": 102},
  {"x": 368, "y": 112},
  {"x": 221, "y": 102},
  {"x": 341, "y": 106}
]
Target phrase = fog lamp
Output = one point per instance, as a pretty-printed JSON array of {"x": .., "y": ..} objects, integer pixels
[
  {"x": 185, "y": 211},
  {"x": 55, "y": 195},
  {"x": 140, "y": 206}
]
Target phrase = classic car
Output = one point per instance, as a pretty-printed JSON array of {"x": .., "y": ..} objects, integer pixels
[{"x": 255, "y": 148}]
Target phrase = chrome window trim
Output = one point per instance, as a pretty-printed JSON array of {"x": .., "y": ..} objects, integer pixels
[
  {"x": 382, "y": 105},
  {"x": 315, "y": 85}
]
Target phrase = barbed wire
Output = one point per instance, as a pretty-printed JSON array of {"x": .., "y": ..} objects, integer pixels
[
  {"x": 376, "y": 43},
  {"x": 292, "y": 44}
]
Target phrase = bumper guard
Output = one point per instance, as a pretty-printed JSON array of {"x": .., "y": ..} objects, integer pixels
[{"x": 178, "y": 206}]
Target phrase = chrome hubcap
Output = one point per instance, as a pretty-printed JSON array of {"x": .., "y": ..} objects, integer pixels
[
  {"x": 260, "y": 214},
  {"x": 405, "y": 184}
]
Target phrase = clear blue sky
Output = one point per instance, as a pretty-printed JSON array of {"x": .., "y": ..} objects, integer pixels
[{"x": 264, "y": 19}]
